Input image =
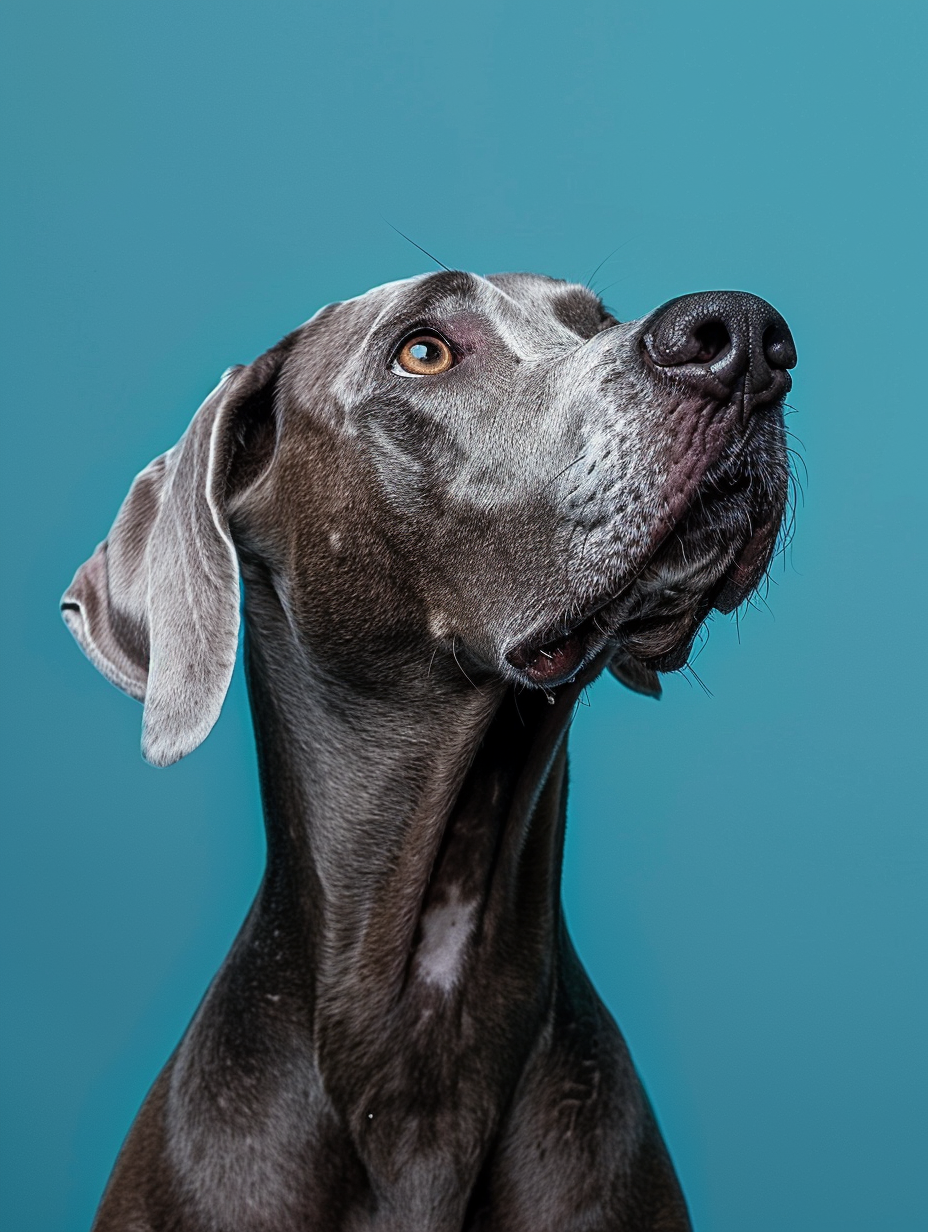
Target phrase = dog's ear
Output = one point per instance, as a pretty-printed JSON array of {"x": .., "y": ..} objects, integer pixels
[
  {"x": 156, "y": 608},
  {"x": 635, "y": 675}
]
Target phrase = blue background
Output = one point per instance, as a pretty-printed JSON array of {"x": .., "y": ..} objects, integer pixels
[{"x": 189, "y": 181}]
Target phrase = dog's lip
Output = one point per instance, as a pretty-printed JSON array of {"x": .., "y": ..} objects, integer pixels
[
  {"x": 746, "y": 570},
  {"x": 556, "y": 655},
  {"x": 553, "y": 657}
]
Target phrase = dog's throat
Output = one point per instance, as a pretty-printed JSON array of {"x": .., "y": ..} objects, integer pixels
[
  {"x": 414, "y": 843},
  {"x": 494, "y": 816}
]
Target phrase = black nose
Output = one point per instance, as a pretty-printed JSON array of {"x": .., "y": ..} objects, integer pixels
[{"x": 713, "y": 339}]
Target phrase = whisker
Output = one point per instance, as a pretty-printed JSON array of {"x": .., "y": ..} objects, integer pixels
[
  {"x": 686, "y": 671},
  {"x": 800, "y": 461},
  {"x": 567, "y": 468},
  {"x": 589, "y": 281},
  {"x": 458, "y": 661},
  {"x": 624, "y": 278},
  {"x": 430, "y": 255}
]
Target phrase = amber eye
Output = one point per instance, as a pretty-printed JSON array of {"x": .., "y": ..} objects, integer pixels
[{"x": 424, "y": 355}]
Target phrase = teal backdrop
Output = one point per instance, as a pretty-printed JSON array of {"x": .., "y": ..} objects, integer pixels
[{"x": 745, "y": 867}]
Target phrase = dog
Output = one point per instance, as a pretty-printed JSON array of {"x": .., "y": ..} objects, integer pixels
[{"x": 453, "y": 501}]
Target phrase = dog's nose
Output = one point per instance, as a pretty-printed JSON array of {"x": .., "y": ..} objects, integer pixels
[{"x": 713, "y": 339}]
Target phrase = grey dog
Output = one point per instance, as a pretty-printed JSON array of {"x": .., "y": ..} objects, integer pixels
[{"x": 453, "y": 501}]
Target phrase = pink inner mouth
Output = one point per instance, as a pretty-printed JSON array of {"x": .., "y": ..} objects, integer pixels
[{"x": 552, "y": 661}]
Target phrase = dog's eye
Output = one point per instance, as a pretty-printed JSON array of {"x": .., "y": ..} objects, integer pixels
[{"x": 424, "y": 355}]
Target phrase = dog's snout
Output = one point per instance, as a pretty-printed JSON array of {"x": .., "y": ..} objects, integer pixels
[{"x": 715, "y": 338}]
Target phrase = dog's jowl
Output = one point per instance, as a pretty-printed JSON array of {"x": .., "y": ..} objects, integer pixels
[{"x": 449, "y": 503}]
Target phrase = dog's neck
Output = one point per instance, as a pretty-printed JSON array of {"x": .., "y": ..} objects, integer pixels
[{"x": 414, "y": 850}]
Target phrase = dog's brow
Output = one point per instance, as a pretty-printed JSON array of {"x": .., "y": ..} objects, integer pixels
[{"x": 408, "y": 303}]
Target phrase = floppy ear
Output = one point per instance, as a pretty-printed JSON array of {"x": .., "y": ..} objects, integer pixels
[
  {"x": 635, "y": 675},
  {"x": 156, "y": 608}
]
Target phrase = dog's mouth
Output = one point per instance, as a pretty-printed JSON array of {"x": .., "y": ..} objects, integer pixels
[
  {"x": 712, "y": 558},
  {"x": 550, "y": 660}
]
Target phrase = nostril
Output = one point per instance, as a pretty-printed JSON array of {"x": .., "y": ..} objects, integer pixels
[
  {"x": 714, "y": 340},
  {"x": 714, "y": 337},
  {"x": 779, "y": 348}
]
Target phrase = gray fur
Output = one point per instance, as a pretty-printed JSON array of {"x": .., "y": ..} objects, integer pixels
[{"x": 434, "y": 568}]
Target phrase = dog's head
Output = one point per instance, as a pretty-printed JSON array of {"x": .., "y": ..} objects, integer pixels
[{"x": 491, "y": 470}]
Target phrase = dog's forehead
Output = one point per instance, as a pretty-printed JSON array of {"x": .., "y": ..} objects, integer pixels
[
  {"x": 344, "y": 349},
  {"x": 526, "y": 308}
]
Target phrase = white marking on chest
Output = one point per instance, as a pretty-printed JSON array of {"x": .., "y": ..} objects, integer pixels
[{"x": 446, "y": 929}]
